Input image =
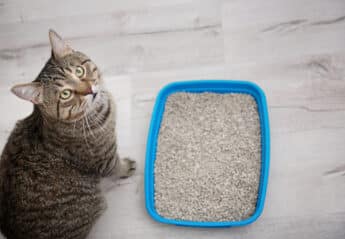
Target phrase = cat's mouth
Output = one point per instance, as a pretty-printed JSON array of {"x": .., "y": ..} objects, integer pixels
[
  {"x": 94, "y": 95},
  {"x": 93, "y": 92}
]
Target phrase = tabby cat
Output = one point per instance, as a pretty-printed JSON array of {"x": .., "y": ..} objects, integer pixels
[{"x": 52, "y": 164}]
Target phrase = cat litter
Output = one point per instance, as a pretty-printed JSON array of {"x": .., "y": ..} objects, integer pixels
[{"x": 207, "y": 154}]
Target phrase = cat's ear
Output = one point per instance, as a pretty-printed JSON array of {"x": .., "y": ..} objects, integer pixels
[
  {"x": 59, "y": 47},
  {"x": 31, "y": 92}
]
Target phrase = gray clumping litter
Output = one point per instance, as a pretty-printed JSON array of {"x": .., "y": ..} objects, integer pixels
[{"x": 208, "y": 157}]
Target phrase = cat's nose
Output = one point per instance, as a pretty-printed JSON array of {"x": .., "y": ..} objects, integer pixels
[{"x": 88, "y": 91}]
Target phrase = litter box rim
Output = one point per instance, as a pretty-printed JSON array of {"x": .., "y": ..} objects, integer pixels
[{"x": 212, "y": 86}]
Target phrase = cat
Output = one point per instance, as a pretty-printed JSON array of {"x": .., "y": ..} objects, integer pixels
[{"x": 53, "y": 161}]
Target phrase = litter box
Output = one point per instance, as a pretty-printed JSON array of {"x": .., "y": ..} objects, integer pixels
[{"x": 209, "y": 86}]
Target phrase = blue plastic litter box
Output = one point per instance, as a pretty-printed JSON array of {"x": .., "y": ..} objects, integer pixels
[{"x": 214, "y": 86}]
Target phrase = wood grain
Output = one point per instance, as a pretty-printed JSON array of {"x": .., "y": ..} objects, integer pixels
[{"x": 294, "y": 50}]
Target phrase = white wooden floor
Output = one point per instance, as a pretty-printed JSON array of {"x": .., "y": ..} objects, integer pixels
[{"x": 295, "y": 50}]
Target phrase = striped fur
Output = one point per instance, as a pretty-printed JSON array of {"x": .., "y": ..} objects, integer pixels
[{"x": 54, "y": 159}]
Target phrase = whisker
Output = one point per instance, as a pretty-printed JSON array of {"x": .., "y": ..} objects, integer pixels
[
  {"x": 88, "y": 125},
  {"x": 75, "y": 122},
  {"x": 87, "y": 143},
  {"x": 97, "y": 120}
]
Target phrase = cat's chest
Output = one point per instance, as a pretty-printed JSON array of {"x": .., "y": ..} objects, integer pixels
[{"x": 92, "y": 147}]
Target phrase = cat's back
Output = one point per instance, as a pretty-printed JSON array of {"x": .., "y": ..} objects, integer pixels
[
  {"x": 39, "y": 193},
  {"x": 22, "y": 147}
]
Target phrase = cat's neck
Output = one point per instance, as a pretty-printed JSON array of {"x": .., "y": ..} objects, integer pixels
[
  {"x": 89, "y": 128},
  {"x": 77, "y": 142}
]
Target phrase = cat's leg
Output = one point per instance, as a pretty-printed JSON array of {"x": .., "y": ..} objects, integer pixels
[
  {"x": 124, "y": 167},
  {"x": 117, "y": 167}
]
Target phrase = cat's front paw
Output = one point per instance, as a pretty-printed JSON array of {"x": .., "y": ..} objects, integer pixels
[{"x": 125, "y": 168}]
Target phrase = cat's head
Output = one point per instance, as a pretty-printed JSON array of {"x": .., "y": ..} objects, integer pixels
[{"x": 68, "y": 86}]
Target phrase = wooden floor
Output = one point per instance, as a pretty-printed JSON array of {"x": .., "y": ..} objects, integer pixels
[{"x": 295, "y": 50}]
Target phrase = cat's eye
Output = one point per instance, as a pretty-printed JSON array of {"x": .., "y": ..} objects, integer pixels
[
  {"x": 79, "y": 71},
  {"x": 66, "y": 94}
]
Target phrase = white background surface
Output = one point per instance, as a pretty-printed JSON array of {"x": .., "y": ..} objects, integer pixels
[{"x": 295, "y": 50}]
